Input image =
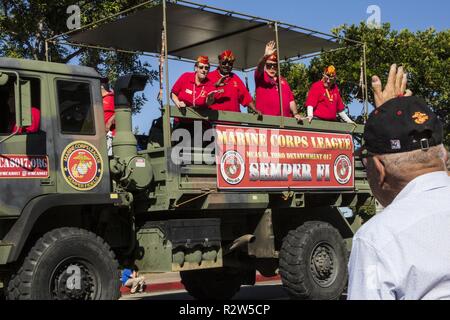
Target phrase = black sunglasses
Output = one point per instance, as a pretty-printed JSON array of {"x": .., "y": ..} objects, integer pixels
[
  {"x": 271, "y": 66},
  {"x": 365, "y": 155},
  {"x": 226, "y": 63},
  {"x": 203, "y": 67}
]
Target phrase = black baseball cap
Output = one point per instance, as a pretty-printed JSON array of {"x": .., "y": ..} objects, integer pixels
[{"x": 402, "y": 124}]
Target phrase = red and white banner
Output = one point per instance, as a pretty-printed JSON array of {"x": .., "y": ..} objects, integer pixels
[
  {"x": 258, "y": 158},
  {"x": 14, "y": 166}
]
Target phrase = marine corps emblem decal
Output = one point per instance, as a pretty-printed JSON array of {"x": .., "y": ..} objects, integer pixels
[
  {"x": 419, "y": 117},
  {"x": 343, "y": 169},
  {"x": 81, "y": 165},
  {"x": 232, "y": 167}
]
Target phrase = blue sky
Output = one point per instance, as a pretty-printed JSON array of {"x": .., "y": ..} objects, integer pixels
[{"x": 321, "y": 15}]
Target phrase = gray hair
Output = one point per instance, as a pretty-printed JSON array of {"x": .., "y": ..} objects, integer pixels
[{"x": 403, "y": 163}]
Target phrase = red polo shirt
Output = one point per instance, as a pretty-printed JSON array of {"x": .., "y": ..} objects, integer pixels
[
  {"x": 267, "y": 99},
  {"x": 235, "y": 93},
  {"x": 189, "y": 92},
  {"x": 108, "y": 109},
  {"x": 325, "y": 107}
]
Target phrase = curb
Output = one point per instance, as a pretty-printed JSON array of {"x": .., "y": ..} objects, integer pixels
[{"x": 177, "y": 285}]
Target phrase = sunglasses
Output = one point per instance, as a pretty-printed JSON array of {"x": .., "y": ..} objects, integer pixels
[
  {"x": 365, "y": 155},
  {"x": 226, "y": 63},
  {"x": 203, "y": 67},
  {"x": 331, "y": 78},
  {"x": 271, "y": 66}
]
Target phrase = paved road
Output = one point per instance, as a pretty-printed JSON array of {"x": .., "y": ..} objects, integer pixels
[{"x": 261, "y": 291}]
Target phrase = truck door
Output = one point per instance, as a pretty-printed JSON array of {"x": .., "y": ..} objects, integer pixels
[
  {"x": 26, "y": 156},
  {"x": 79, "y": 136}
]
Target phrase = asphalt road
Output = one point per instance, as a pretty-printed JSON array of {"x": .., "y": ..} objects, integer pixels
[
  {"x": 271, "y": 290},
  {"x": 263, "y": 291}
]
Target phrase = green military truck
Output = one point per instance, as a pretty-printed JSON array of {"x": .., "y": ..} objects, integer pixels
[{"x": 266, "y": 199}]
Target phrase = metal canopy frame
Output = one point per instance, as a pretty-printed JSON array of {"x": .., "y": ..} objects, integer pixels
[{"x": 177, "y": 53}]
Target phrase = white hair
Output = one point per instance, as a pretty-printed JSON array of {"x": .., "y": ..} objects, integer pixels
[{"x": 405, "y": 162}]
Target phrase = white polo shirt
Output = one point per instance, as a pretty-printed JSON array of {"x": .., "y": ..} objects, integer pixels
[{"x": 404, "y": 251}]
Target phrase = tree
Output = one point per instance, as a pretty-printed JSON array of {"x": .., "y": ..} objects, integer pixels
[
  {"x": 26, "y": 24},
  {"x": 424, "y": 54},
  {"x": 297, "y": 75}
]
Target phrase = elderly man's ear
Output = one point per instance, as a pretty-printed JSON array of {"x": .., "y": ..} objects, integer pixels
[{"x": 379, "y": 166}]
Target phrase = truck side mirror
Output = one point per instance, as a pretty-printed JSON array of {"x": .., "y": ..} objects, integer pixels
[
  {"x": 22, "y": 91},
  {"x": 25, "y": 102},
  {"x": 3, "y": 79}
]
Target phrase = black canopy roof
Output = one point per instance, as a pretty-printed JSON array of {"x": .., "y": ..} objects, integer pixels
[{"x": 194, "y": 31}]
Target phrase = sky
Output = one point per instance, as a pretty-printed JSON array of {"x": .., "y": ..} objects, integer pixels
[{"x": 321, "y": 15}]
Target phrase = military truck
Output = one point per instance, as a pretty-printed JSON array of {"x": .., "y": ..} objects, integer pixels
[{"x": 264, "y": 196}]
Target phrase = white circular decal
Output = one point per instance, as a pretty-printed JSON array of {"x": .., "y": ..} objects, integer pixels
[
  {"x": 232, "y": 167},
  {"x": 343, "y": 169}
]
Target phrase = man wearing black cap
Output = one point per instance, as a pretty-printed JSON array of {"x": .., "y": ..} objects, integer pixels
[{"x": 404, "y": 251}]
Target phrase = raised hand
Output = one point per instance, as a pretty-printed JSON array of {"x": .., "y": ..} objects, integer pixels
[
  {"x": 221, "y": 81},
  {"x": 270, "y": 48},
  {"x": 395, "y": 86}
]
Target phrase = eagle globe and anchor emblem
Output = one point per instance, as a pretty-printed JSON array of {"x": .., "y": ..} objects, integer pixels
[
  {"x": 232, "y": 167},
  {"x": 81, "y": 165},
  {"x": 343, "y": 169}
]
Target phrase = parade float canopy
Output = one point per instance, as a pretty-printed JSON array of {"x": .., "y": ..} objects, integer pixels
[{"x": 194, "y": 30}]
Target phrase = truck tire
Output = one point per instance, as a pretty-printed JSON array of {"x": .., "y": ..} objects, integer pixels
[
  {"x": 313, "y": 262},
  {"x": 212, "y": 284},
  {"x": 67, "y": 264}
]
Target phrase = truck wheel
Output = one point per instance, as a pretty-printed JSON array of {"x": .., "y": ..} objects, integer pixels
[
  {"x": 67, "y": 264},
  {"x": 313, "y": 262},
  {"x": 212, "y": 284}
]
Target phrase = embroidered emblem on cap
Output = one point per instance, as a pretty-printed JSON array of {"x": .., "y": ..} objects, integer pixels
[
  {"x": 396, "y": 145},
  {"x": 420, "y": 118}
]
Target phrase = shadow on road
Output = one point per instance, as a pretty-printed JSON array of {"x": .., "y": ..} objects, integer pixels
[{"x": 259, "y": 292}]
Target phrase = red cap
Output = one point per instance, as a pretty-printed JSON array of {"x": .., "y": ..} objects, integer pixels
[
  {"x": 227, "y": 55},
  {"x": 272, "y": 57},
  {"x": 203, "y": 59},
  {"x": 330, "y": 71}
]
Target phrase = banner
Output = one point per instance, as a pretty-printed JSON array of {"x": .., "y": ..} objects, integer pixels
[
  {"x": 259, "y": 158},
  {"x": 14, "y": 166}
]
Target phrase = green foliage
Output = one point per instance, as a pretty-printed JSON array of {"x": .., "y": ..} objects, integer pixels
[
  {"x": 26, "y": 24},
  {"x": 424, "y": 54},
  {"x": 297, "y": 76}
]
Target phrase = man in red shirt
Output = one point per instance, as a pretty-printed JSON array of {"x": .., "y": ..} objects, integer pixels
[
  {"x": 108, "y": 106},
  {"x": 108, "y": 112},
  {"x": 266, "y": 80},
  {"x": 232, "y": 91},
  {"x": 193, "y": 89},
  {"x": 324, "y": 100}
]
